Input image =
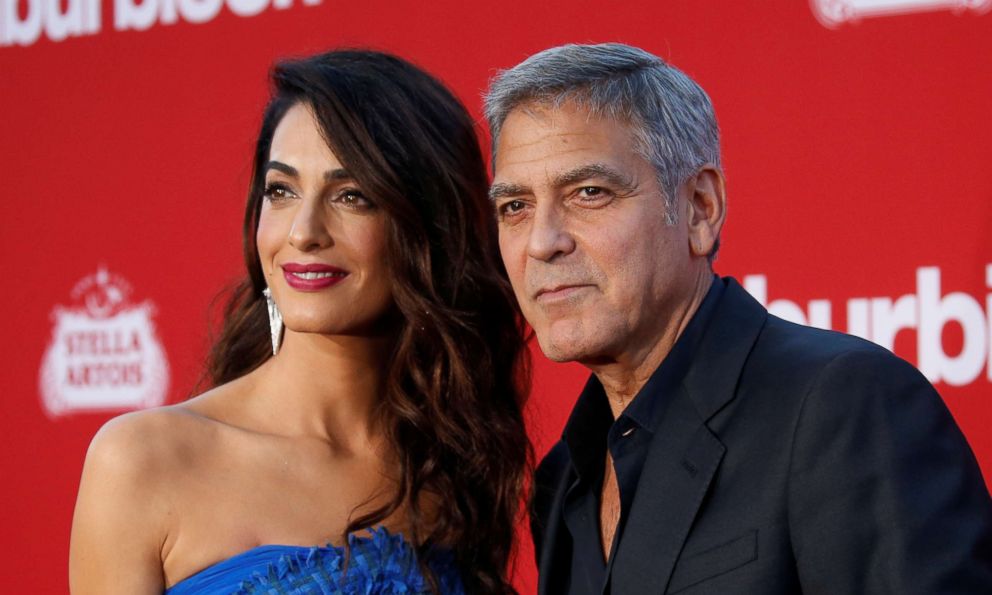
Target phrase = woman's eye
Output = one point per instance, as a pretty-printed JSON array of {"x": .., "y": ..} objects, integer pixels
[
  {"x": 354, "y": 198},
  {"x": 277, "y": 193}
]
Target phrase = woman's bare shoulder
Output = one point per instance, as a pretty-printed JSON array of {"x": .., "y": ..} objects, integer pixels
[
  {"x": 159, "y": 441},
  {"x": 125, "y": 501},
  {"x": 142, "y": 441},
  {"x": 134, "y": 487}
]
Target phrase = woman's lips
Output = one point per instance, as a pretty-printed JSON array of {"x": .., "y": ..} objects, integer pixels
[{"x": 312, "y": 277}]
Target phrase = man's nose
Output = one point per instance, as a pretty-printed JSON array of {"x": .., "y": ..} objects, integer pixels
[
  {"x": 309, "y": 231},
  {"x": 549, "y": 235}
]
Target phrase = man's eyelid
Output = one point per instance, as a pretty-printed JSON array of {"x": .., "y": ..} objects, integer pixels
[
  {"x": 604, "y": 189},
  {"x": 503, "y": 208},
  {"x": 502, "y": 201}
]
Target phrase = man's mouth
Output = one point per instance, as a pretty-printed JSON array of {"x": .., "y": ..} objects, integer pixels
[{"x": 559, "y": 292}]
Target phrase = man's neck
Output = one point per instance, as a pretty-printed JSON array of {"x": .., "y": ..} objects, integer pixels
[{"x": 624, "y": 376}]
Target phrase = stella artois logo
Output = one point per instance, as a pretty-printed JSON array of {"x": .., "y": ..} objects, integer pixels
[
  {"x": 104, "y": 353},
  {"x": 832, "y": 13}
]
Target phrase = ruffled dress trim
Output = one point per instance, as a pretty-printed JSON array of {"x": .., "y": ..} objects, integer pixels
[{"x": 381, "y": 563}]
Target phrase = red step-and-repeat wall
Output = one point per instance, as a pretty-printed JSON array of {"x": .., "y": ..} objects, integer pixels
[{"x": 857, "y": 143}]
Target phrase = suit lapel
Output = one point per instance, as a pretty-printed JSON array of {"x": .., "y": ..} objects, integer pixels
[
  {"x": 684, "y": 454},
  {"x": 683, "y": 459},
  {"x": 552, "y": 549}
]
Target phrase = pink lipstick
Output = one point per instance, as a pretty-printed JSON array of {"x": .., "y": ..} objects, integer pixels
[{"x": 312, "y": 277}]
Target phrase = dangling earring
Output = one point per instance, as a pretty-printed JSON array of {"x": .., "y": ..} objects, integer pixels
[{"x": 275, "y": 320}]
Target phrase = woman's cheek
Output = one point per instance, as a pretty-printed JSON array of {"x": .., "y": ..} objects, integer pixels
[{"x": 268, "y": 239}]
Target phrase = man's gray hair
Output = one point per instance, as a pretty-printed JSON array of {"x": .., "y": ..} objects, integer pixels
[{"x": 671, "y": 117}]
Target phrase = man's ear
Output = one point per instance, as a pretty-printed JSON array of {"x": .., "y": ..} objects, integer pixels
[{"x": 707, "y": 208}]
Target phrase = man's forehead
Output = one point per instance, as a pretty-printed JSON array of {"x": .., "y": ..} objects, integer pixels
[
  {"x": 551, "y": 105},
  {"x": 568, "y": 115},
  {"x": 541, "y": 144},
  {"x": 531, "y": 128}
]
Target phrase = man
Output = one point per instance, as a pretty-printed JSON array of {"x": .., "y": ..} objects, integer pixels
[{"x": 715, "y": 448}]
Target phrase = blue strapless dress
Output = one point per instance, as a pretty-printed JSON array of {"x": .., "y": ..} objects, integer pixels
[{"x": 381, "y": 564}]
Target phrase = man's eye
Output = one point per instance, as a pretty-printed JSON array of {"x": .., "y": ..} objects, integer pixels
[
  {"x": 511, "y": 207},
  {"x": 593, "y": 197}
]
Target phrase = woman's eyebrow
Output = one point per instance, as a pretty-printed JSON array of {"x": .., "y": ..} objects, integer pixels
[
  {"x": 336, "y": 175},
  {"x": 289, "y": 170}
]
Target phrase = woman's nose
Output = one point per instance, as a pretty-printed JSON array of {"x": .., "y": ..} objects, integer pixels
[{"x": 309, "y": 231}]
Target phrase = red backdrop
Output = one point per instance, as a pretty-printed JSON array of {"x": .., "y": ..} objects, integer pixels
[{"x": 857, "y": 138}]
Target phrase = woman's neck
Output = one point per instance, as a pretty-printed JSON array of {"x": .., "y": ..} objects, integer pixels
[{"x": 325, "y": 387}]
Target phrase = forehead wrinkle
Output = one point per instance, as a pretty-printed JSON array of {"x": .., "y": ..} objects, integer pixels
[
  {"x": 546, "y": 121},
  {"x": 548, "y": 141},
  {"x": 538, "y": 158}
]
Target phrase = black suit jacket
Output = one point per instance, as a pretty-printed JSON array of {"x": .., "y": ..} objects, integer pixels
[{"x": 792, "y": 460}]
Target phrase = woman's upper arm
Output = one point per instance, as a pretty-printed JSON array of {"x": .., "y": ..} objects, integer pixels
[{"x": 119, "y": 524}]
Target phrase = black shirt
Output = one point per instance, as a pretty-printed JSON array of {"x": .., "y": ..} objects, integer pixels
[{"x": 591, "y": 430}]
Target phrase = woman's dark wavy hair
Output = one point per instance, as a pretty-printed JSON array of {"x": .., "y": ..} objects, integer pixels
[{"x": 454, "y": 386}]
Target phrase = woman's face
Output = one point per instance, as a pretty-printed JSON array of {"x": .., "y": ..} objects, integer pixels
[{"x": 321, "y": 241}]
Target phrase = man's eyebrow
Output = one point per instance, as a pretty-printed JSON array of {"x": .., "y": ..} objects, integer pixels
[
  {"x": 594, "y": 171},
  {"x": 502, "y": 190}
]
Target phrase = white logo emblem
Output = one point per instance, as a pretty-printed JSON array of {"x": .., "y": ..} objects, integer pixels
[
  {"x": 832, "y": 13},
  {"x": 104, "y": 353}
]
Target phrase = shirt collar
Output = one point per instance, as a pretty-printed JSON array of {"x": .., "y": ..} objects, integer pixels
[
  {"x": 590, "y": 421},
  {"x": 646, "y": 407}
]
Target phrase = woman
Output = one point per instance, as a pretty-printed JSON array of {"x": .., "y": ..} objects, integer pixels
[{"x": 388, "y": 423}]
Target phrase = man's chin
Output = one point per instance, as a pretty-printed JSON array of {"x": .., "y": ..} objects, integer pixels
[{"x": 560, "y": 349}]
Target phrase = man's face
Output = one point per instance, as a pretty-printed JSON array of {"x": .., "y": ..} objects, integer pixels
[{"x": 583, "y": 234}]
